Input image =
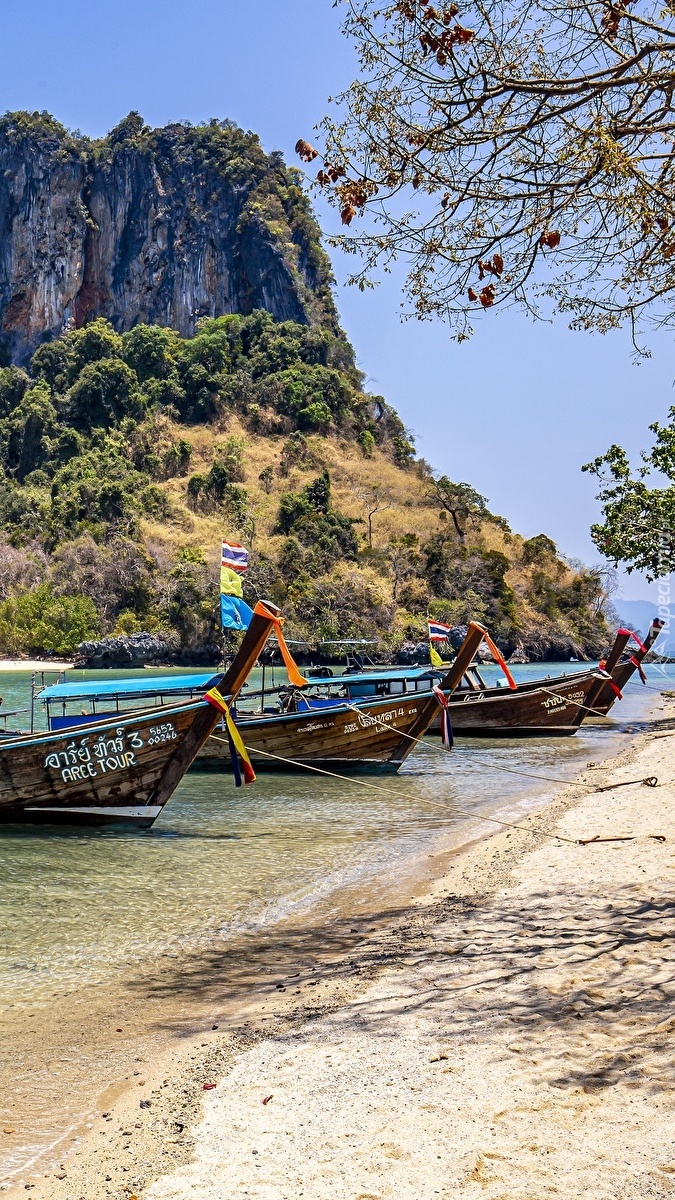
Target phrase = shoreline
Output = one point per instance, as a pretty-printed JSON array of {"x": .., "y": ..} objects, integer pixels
[
  {"x": 286, "y": 995},
  {"x": 34, "y": 664}
]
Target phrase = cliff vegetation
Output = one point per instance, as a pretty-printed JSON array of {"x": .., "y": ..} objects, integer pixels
[{"x": 125, "y": 458}]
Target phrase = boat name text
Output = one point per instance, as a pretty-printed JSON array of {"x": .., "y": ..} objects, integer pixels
[
  {"x": 81, "y": 761},
  {"x": 366, "y": 721},
  {"x": 575, "y": 698}
]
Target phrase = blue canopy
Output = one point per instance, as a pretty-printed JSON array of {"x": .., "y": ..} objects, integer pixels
[
  {"x": 130, "y": 688},
  {"x": 384, "y": 676}
]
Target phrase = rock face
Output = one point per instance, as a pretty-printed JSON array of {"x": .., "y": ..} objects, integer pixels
[
  {"x": 155, "y": 226},
  {"x": 133, "y": 651}
]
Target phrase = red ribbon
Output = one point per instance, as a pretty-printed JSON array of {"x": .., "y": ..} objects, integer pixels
[
  {"x": 629, "y": 633},
  {"x": 636, "y": 663}
]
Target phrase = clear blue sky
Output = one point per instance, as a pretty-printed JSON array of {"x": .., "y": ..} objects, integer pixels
[{"x": 517, "y": 410}]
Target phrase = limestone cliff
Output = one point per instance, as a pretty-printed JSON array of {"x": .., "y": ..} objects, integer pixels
[{"x": 157, "y": 226}]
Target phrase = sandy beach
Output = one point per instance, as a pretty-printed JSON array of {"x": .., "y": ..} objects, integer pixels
[
  {"x": 34, "y": 664},
  {"x": 505, "y": 1032}
]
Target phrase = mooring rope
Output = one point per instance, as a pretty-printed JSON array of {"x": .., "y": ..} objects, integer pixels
[
  {"x": 375, "y": 787},
  {"x": 481, "y": 762}
]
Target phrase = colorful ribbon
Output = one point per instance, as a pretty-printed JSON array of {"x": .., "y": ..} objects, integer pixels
[
  {"x": 636, "y": 663},
  {"x": 629, "y": 633},
  {"x": 446, "y": 726},
  {"x": 499, "y": 658},
  {"x": 238, "y": 751},
  {"x": 294, "y": 675}
]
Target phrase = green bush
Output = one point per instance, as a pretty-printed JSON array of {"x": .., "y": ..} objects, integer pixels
[
  {"x": 104, "y": 393},
  {"x": 39, "y": 621},
  {"x": 310, "y": 519}
]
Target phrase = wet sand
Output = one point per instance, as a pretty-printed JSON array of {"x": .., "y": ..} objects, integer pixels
[{"x": 503, "y": 1030}]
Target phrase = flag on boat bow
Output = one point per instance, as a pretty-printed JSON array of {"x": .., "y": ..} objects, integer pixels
[
  {"x": 234, "y": 611},
  {"x": 438, "y": 632}
]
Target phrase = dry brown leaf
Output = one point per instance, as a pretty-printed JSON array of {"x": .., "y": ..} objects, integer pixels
[
  {"x": 462, "y": 36},
  {"x": 551, "y": 239},
  {"x": 487, "y": 296},
  {"x": 305, "y": 151},
  {"x": 494, "y": 267}
]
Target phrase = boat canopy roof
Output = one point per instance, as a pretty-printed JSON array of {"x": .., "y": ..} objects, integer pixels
[
  {"x": 129, "y": 688},
  {"x": 385, "y": 676},
  {"x": 138, "y": 686}
]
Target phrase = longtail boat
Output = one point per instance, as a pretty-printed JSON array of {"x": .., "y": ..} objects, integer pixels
[
  {"x": 338, "y": 732},
  {"x": 342, "y": 734},
  {"x": 622, "y": 665},
  {"x": 547, "y": 707},
  {"x": 551, "y": 707},
  {"x": 119, "y": 771}
]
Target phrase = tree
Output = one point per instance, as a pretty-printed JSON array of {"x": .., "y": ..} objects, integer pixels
[
  {"x": 374, "y": 499},
  {"x": 150, "y": 351},
  {"x": 537, "y": 140},
  {"x": 404, "y": 559},
  {"x": 639, "y": 521},
  {"x": 25, "y": 436},
  {"x": 39, "y": 620},
  {"x": 537, "y": 549},
  {"x": 104, "y": 393},
  {"x": 462, "y": 501}
]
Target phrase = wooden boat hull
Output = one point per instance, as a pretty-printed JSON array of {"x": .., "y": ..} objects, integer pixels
[
  {"x": 340, "y": 738},
  {"x": 544, "y": 708},
  {"x": 118, "y": 771},
  {"x": 549, "y": 707},
  {"x": 374, "y": 735},
  {"x": 112, "y": 773}
]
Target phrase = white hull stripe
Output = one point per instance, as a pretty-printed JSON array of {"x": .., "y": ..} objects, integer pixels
[{"x": 139, "y": 812}]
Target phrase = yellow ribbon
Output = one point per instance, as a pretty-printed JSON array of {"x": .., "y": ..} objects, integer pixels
[{"x": 214, "y": 697}]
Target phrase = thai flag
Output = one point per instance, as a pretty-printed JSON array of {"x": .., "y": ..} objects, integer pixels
[
  {"x": 439, "y": 632},
  {"x": 234, "y": 556}
]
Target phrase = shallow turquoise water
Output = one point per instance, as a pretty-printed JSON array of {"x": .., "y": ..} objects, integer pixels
[{"x": 79, "y": 905}]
